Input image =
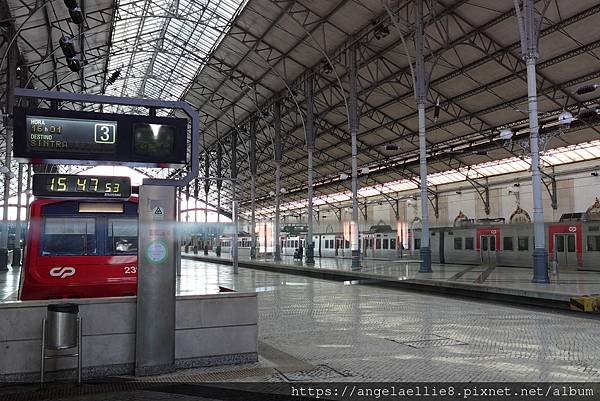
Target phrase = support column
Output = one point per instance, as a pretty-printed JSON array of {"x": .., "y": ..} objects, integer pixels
[
  {"x": 17, "y": 253},
  {"x": 178, "y": 231},
  {"x": 11, "y": 78},
  {"x": 196, "y": 237},
  {"x": 310, "y": 144},
  {"x": 421, "y": 95},
  {"x": 155, "y": 304},
  {"x": 529, "y": 46},
  {"x": 206, "y": 191},
  {"x": 234, "y": 203},
  {"x": 252, "y": 160},
  {"x": 278, "y": 158},
  {"x": 354, "y": 245},
  {"x": 28, "y": 192},
  {"x": 219, "y": 186},
  {"x": 196, "y": 194}
]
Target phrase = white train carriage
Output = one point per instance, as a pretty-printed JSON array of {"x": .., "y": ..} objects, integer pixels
[{"x": 244, "y": 244}]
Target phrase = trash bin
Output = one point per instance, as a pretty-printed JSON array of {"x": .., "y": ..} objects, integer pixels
[{"x": 62, "y": 326}]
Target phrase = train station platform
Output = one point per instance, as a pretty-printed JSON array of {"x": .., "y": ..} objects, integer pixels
[
  {"x": 507, "y": 284},
  {"x": 315, "y": 330}
]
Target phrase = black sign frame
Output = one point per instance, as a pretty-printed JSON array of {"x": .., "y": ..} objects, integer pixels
[{"x": 124, "y": 149}]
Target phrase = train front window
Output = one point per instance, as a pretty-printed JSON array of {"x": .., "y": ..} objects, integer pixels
[
  {"x": 123, "y": 236},
  {"x": 69, "y": 236}
]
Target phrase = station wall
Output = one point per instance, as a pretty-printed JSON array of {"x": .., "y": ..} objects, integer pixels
[{"x": 576, "y": 188}]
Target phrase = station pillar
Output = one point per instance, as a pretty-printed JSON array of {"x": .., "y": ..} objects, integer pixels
[
  {"x": 310, "y": 142},
  {"x": 155, "y": 322},
  {"x": 421, "y": 98},
  {"x": 353, "y": 123},
  {"x": 278, "y": 158},
  {"x": 252, "y": 160},
  {"x": 529, "y": 30}
]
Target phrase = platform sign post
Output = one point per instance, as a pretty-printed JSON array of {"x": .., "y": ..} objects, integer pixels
[
  {"x": 157, "y": 261},
  {"x": 147, "y": 141}
]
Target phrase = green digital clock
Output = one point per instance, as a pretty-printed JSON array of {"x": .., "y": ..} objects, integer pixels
[{"x": 81, "y": 186}]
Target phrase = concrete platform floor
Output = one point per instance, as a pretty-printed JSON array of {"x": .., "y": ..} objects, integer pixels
[
  {"x": 510, "y": 281},
  {"x": 317, "y": 330}
]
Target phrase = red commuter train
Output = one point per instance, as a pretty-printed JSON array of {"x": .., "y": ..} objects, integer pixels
[{"x": 80, "y": 249}]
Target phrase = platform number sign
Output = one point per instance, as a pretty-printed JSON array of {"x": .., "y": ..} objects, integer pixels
[
  {"x": 105, "y": 133},
  {"x": 69, "y": 136}
]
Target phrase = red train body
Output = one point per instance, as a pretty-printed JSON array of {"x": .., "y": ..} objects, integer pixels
[{"x": 80, "y": 249}]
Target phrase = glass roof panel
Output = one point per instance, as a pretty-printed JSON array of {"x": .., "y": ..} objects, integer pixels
[{"x": 160, "y": 45}]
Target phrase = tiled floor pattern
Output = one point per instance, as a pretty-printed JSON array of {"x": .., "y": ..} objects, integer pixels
[
  {"x": 567, "y": 283},
  {"x": 362, "y": 333},
  {"x": 318, "y": 330}
]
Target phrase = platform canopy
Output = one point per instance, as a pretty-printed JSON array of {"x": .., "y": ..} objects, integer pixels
[{"x": 234, "y": 60}]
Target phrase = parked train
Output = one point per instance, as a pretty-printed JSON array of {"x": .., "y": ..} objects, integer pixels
[
  {"x": 573, "y": 243},
  {"x": 80, "y": 249},
  {"x": 379, "y": 242},
  {"x": 87, "y": 248}
]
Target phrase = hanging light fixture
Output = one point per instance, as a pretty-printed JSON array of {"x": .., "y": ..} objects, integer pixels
[
  {"x": 68, "y": 48},
  {"x": 74, "y": 11}
]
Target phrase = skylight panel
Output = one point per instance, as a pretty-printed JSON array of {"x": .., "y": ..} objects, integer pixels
[{"x": 167, "y": 42}]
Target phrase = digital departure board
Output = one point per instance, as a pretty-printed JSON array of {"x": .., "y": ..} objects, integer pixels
[
  {"x": 75, "y": 137},
  {"x": 81, "y": 186},
  {"x": 58, "y": 135}
]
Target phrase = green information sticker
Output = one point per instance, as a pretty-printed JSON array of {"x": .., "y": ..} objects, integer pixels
[{"x": 157, "y": 252}]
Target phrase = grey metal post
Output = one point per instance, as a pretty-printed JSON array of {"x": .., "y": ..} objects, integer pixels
[
  {"x": 528, "y": 28},
  {"x": 253, "y": 188},
  {"x": 17, "y": 254},
  {"x": 28, "y": 197},
  {"x": 11, "y": 78},
  {"x": 421, "y": 94},
  {"x": 234, "y": 237},
  {"x": 219, "y": 186},
  {"x": 196, "y": 193},
  {"x": 206, "y": 190},
  {"x": 234, "y": 203},
  {"x": 178, "y": 232},
  {"x": 355, "y": 247},
  {"x": 155, "y": 325},
  {"x": 310, "y": 144},
  {"x": 278, "y": 157}
]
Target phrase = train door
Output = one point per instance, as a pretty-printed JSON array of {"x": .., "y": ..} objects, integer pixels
[
  {"x": 488, "y": 249},
  {"x": 566, "y": 251}
]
